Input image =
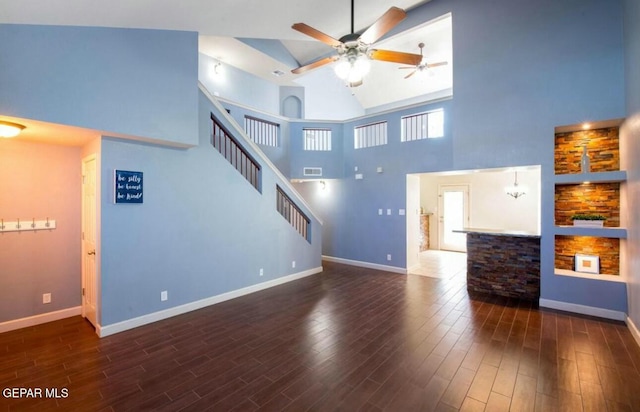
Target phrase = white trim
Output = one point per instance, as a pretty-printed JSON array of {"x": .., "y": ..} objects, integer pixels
[
  {"x": 367, "y": 265},
  {"x": 103, "y": 331},
  {"x": 39, "y": 319},
  {"x": 582, "y": 309},
  {"x": 634, "y": 330}
]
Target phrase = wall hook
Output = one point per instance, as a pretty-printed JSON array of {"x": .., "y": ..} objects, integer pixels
[
  {"x": 47, "y": 224},
  {"x": 2, "y": 225},
  {"x": 18, "y": 225},
  {"x": 33, "y": 222}
]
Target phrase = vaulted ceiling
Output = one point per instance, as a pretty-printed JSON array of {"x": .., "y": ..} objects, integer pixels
[{"x": 228, "y": 30}]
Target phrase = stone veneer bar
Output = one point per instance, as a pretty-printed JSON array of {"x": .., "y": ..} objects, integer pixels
[{"x": 503, "y": 263}]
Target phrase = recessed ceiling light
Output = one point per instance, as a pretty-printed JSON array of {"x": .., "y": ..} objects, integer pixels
[{"x": 277, "y": 73}]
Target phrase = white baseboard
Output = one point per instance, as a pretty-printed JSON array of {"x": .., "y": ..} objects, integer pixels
[
  {"x": 582, "y": 309},
  {"x": 39, "y": 319},
  {"x": 107, "y": 330},
  {"x": 634, "y": 330},
  {"x": 365, "y": 264}
]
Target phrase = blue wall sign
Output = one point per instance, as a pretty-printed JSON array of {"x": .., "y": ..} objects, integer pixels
[{"x": 128, "y": 186}]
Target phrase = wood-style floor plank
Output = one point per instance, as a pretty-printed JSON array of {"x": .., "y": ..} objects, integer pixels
[{"x": 347, "y": 339}]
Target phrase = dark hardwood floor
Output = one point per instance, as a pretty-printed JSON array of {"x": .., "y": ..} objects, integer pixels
[{"x": 347, "y": 339}]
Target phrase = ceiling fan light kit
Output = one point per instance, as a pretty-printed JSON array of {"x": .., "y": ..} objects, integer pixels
[
  {"x": 352, "y": 68},
  {"x": 354, "y": 50}
]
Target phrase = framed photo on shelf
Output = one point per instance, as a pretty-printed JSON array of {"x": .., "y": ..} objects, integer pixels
[{"x": 587, "y": 264}]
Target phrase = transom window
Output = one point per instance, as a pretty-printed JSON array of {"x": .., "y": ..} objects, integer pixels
[
  {"x": 428, "y": 125},
  {"x": 317, "y": 139},
  {"x": 369, "y": 135}
]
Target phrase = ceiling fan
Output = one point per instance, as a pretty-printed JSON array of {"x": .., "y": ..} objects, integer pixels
[
  {"x": 421, "y": 66},
  {"x": 354, "y": 50}
]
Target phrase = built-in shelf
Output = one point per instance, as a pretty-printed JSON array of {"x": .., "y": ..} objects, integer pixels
[
  {"x": 603, "y": 277},
  {"x": 596, "y": 177},
  {"x": 610, "y": 232}
]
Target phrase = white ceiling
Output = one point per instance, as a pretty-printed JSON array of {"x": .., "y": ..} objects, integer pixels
[{"x": 219, "y": 22}]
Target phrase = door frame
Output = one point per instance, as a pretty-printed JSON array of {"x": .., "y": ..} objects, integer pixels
[{"x": 83, "y": 252}]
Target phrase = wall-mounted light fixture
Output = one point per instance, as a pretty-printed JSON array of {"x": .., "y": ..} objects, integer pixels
[
  {"x": 9, "y": 129},
  {"x": 515, "y": 191},
  {"x": 217, "y": 68}
]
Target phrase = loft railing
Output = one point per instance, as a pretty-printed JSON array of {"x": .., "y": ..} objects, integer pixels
[
  {"x": 294, "y": 215},
  {"x": 235, "y": 154}
]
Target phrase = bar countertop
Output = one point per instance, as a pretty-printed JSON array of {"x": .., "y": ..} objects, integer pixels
[{"x": 497, "y": 232}]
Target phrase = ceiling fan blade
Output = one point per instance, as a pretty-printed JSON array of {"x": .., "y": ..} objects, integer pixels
[
  {"x": 388, "y": 21},
  {"x": 395, "y": 57},
  {"x": 430, "y": 65},
  {"x": 316, "y": 34},
  {"x": 314, "y": 65},
  {"x": 410, "y": 74},
  {"x": 407, "y": 67}
]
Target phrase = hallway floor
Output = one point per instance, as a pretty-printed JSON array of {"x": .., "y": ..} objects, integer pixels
[
  {"x": 441, "y": 264},
  {"x": 347, "y": 339}
]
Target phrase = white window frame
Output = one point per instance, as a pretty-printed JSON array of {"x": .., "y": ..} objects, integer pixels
[
  {"x": 370, "y": 135},
  {"x": 424, "y": 125},
  {"x": 316, "y": 139}
]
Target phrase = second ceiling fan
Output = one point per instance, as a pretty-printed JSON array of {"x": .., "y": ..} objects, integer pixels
[{"x": 354, "y": 50}]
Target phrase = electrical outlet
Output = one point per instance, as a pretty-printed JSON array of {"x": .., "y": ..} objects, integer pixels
[
  {"x": 46, "y": 298},
  {"x": 388, "y": 257},
  {"x": 293, "y": 264},
  {"x": 164, "y": 295},
  {"x": 261, "y": 271},
  {"x": 380, "y": 212},
  {"x": 388, "y": 212}
]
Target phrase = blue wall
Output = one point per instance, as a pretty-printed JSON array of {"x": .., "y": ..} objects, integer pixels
[
  {"x": 201, "y": 231},
  {"x": 632, "y": 54},
  {"x": 330, "y": 161},
  {"x": 130, "y": 82},
  {"x": 520, "y": 69},
  {"x": 239, "y": 86}
]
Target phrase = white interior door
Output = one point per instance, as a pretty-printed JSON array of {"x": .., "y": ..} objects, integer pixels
[
  {"x": 89, "y": 206},
  {"x": 453, "y": 211},
  {"x": 413, "y": 220}
]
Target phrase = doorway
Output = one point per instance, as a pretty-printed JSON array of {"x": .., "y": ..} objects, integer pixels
[
  {"x": 453, "y": 214},
  {"x": 89, "y": 207}
]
